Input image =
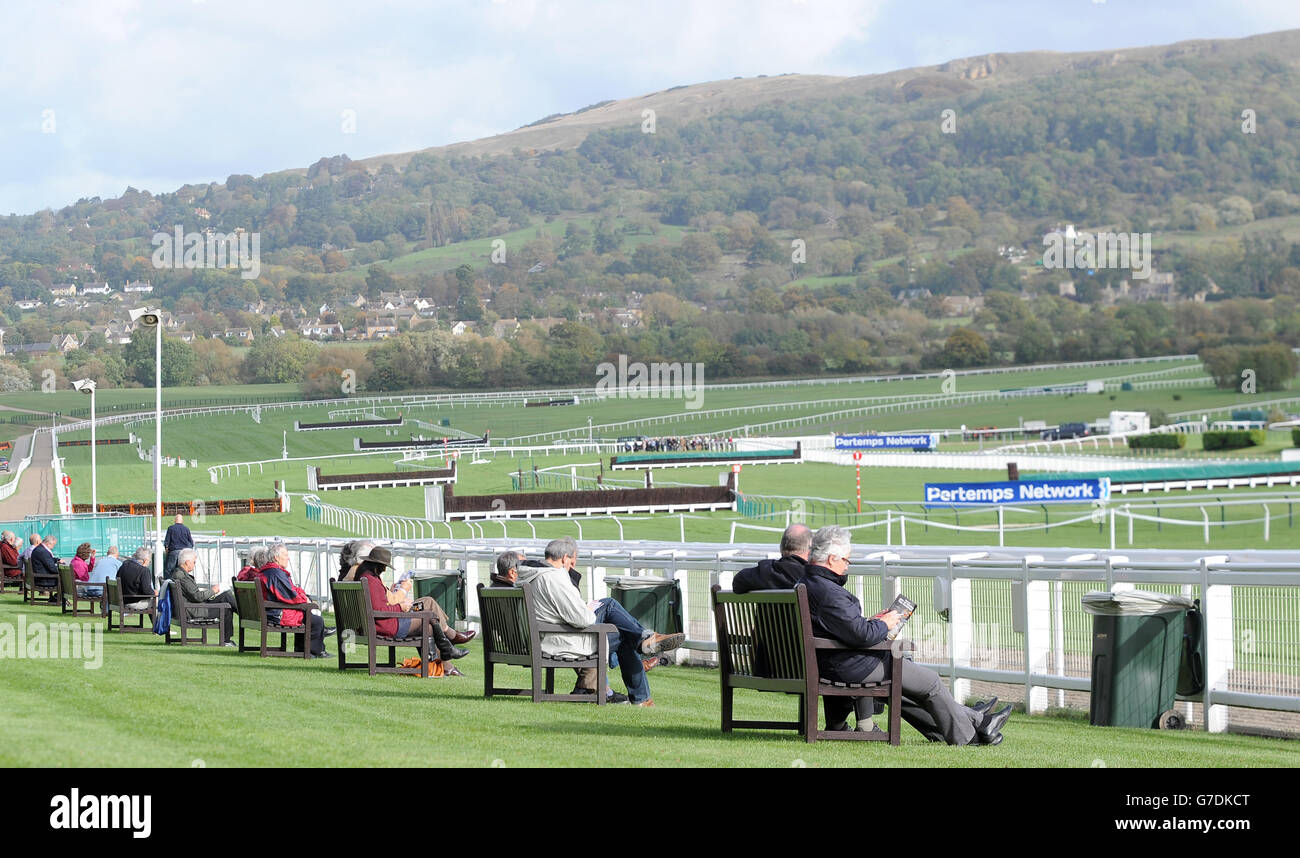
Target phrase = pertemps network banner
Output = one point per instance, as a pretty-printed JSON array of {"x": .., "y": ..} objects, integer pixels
[
  {"x": 887, "y": 442},
  {"x": 1019, "y": 491}
]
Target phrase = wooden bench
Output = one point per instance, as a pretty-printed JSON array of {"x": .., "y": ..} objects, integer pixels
[
  {"x": 354, "y": 618},
  {"x": 11, "y": 576},
  {"x": 70, "y": 596},
  {"x": 510, "y": 636},
  {"x": 250, "y": 617},
  {"x": 181, "y": 618},
  {"x": 116, "y": 601},
  {"x": 33, "y": 588},
  {"x": 766, "y": 643},
  {"x": 267, "y": 627}
]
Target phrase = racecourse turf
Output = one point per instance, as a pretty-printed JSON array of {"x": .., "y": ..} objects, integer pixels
[{"x": 153, "y": 704}]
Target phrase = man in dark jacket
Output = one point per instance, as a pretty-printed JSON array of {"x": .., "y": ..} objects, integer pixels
[
  {"x": 176, "y": 540},
  {"x": 837, "y": 614},
  {"x": 135, "y": 580},
  {"x": 183, "y": 575},
  {"x": 45, "y": 566},
  {"x": 782, "y": 573}
]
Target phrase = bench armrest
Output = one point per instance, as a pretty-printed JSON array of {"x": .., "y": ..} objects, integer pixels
[
  {"x": 306, "y": 607},
  {"x": 594, "y": 628},
  {"x": 213, "y": 606},
  {"x": 423, "y": 615},
  {"x": 883, "y": 646}
]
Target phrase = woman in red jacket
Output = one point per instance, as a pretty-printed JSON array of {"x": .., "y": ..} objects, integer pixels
[
  {"x": 10, "y": 566},
  {"x": 278, "y": 586}
]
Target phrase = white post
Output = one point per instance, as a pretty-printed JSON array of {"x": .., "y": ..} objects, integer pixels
[
  {"x": 960, "y": 634},
  {"x": 889, "y": 527},
  {"x": 1058, "y": 637},
  {"x": 1128, "y": 512},
  {"x": 1038, "y": 635},
  {"x": 1112, "y": 530},
  {"x": 681, "y": 519},
  {"x": 1218, "y": 652},
  {"x": 1001, "y": 528}
]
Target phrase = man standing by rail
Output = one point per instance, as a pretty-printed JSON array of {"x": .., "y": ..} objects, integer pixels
[{"x": 178, "y": 538}]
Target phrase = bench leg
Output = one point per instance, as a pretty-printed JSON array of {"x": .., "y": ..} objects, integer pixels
[{"x": 727, "y": 692}]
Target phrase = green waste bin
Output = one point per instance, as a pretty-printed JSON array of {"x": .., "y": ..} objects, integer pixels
[
  {"x": 1137, "y": 645},
  {"x": 446, "y": 421},
  {"x": 447, "y": 586},
  {"x": 654, "y": 602}
]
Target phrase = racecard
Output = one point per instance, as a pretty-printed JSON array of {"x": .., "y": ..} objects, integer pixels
[{"x": 1018, "y": 491}]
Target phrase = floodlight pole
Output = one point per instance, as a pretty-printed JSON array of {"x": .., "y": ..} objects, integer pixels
[
  {"x": 94, "y": 473},
  {"x": 157, "y": 448}
]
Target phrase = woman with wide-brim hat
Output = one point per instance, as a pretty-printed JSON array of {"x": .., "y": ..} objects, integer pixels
[{"x": 371, "y": 569}]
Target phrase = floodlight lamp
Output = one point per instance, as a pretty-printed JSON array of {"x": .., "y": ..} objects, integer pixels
[
  {"x": 146, "y": 316},
  {"x": 85, "y": 385}
]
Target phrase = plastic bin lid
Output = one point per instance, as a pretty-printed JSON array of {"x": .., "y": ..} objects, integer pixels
[
  {"x": 1133, "y": 603},
  {"x": 632, "y": 582},
  {"x": 436, "y": 573}
]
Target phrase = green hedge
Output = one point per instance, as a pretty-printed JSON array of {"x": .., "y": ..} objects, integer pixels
[
  {"x": 1295, "y": 437},
  {"x": 1233, "y": 439},
  {"x": 1158, "y": 441}
]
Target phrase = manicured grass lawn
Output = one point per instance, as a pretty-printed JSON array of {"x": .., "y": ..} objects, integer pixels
[{"x": 165, "y": 706}]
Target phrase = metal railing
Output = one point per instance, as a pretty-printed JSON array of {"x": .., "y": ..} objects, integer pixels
[{"x": 1013, "y": 615}]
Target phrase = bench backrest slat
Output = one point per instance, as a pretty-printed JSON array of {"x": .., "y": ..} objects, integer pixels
[
  {"x": 760, "y": 634},
  {"x": 349, "y": 607},
  {"x": 246, "y": 599},
  {"x": 506, "y": 629}
]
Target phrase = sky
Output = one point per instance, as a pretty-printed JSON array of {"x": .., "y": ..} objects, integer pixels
[{"x": 99, "y": 95}]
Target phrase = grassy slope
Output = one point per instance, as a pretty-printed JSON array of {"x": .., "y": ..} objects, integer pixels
[{"x": 228, "y": 709}]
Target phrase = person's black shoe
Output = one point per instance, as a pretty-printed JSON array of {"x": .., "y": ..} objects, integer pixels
[
  {"x": 329, "y": 630},
  {"x": 454, "y": 652},
  {"x": 321, "y": 654},
  {"x": 985, "y": 706},
  {"x": 990, "y": 731},
  {"x": 616, "y": 697},
  {"x": 869, "y": 727}
]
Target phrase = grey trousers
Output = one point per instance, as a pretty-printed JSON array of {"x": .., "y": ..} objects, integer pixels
[{"x": 927, "y": 705}]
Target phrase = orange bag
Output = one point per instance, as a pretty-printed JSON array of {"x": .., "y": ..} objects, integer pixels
[{"x": 435, "y": 666}]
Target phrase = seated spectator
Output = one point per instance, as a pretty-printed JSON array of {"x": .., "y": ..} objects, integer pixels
[
  {"x": 10, "y": 565},
  {"x": 349, "y": 558},
  {"x": 257, "y": 558},
  {"x": 506, "y": 572},
  {"x": 83, "y": 562},
  {"x": 183, "y": 575},
  {"x": 32, "y": 541},
  {"x": 556, "y": 600},
  {"x": 135, "y": 579},
  {"x": 371, "y": 570},
  {"x": 837, "y": 614},
  {"x": 105, "y": 567},
  {"x": 45, "y": 566},
  {"x": 277, "y": 586},
  {"x": 782, "y": 573}
]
